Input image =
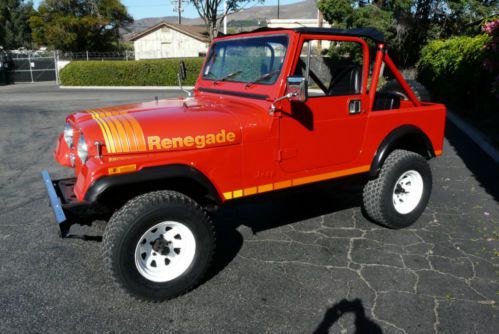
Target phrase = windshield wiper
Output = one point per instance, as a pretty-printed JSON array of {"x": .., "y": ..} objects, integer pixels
[
  {"x": 228, "y": 76},
  {"x": 262, "y": 78}
]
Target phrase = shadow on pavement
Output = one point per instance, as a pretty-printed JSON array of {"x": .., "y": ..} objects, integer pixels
[
  {"x": 362, "y": 323},
  {"x": 269, "y": 211},
  {"x": 478, "y": 162}
]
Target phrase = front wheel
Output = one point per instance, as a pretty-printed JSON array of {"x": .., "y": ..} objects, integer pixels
[
  {"x": 158, "y": 246},
  {"x": 398, "y": 196}
]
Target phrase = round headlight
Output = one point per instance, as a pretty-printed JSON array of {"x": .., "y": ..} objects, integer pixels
[
  {"x": 68, "y": 135},
  {"x": 82, "y": 149}
]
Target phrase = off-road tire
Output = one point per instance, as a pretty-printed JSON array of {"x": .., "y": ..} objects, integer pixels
[
  {"x": 128, "y": 225},
  {"x": 419, "y": 90},
  {"x": 378, "y": 194}
]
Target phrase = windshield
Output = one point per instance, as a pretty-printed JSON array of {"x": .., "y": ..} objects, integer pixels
[{"x": 248, "y": 60}]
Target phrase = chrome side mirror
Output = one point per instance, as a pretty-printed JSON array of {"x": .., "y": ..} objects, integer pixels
[{"x": 296, "y": 90}]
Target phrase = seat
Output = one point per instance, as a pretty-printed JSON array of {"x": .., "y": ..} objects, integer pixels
[{"x": 386, "y": 101}]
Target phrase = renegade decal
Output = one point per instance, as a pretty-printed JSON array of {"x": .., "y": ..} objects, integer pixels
[
  {"x": 295, "y": 182},
  {"x": 200, "y": 141}
]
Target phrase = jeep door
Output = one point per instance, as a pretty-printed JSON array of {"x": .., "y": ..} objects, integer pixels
[{"x": 328, "y": 129}]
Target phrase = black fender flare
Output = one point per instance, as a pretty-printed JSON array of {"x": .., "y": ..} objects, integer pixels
[
  {"x": 148, "y": 174},
  {"x": 390, "y": 141}
]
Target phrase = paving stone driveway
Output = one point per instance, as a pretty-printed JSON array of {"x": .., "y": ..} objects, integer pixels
[{"x": 303, "y": 262}]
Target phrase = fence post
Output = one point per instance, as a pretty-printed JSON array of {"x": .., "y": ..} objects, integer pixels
[
  {"x": 30, "y": 68},
  {"x": 126, "y": 55},
  {"x": 87, "y": 54},
  {"x": 56, "y": 65}
]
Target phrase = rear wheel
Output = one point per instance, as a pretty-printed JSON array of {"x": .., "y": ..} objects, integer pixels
[
  {"x": 398, "y": 196},
  {"x": 393, "y": 87},
  {"x": 158, "y": 246}
]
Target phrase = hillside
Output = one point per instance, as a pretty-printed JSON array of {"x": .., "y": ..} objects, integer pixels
[{"x": 307, "y": 10}]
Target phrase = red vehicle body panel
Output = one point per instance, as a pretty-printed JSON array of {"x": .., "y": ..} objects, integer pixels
[{"x": 225, "y": 131}]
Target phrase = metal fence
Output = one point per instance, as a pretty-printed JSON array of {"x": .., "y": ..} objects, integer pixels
[
  {"x": 89, "y": 55},
  {"x": 17, "y": 67}
]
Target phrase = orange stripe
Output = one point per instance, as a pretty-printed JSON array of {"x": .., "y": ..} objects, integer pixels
[
  {"x": 331, "y": 175},
  {"x": 295, "y": 182},
  {"x": 109, "y": 148},
  {"x": 283, "y": 184},
  {"x": 138, "y": 131},
  {"x": 438, "y": 152},
  {"x": 121, "y": 132},
  {"x": 112, "y": 145},
  {"x": 114, "y": 132},
  {"x": 132, "y": 138}
]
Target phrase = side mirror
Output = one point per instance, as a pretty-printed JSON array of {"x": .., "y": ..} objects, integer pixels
[
  {"x": 182, "y": 75},
  {"x": 297, "y": 89},
  {"x": 182, "y": 72}
]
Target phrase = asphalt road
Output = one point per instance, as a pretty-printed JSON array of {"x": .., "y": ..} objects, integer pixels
[{"x": 303, "y": 262}]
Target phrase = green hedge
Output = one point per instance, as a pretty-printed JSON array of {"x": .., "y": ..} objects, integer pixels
[
  {"x": 160, "y": 72},
  {"x": 453, "y": 71}
]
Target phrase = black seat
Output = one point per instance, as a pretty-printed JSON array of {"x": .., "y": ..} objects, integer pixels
[
  {"x": 346, "y": 80},
  {"x": 386, "y": 101}
]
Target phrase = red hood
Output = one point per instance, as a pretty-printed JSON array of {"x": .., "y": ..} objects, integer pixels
[{"x": 166, "y": 125}]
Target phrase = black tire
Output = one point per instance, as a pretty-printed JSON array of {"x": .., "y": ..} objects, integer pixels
[
  {"x": 378, "y": 194},
  {"x": 129, "y": 226},
  {"x": 419, "y": 90}
]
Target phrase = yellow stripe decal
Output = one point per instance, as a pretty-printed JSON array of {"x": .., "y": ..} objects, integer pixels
[
  {"x": 132, "y": 138},
  {"x": 112, "y": 145},
  {"x": 121, "y": 132},
  {"x": 110, "y": 124},
  {"x": 138, "y": 131},
  {"x": 294, "y": 182},
  {"x": 95, "y": 117}
]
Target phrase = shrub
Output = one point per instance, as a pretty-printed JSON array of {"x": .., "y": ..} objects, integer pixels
[
  {"x": 453, "y": 71},
  {"x": 160, "y": 72}
]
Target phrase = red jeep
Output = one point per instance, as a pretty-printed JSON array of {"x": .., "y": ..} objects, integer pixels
[{"x": 272, "y": 109}]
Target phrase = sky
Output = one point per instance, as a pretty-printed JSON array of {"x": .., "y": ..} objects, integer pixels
[{"x": 156, "y": 8}]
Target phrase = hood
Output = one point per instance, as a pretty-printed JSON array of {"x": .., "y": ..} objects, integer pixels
[{"x": 164, "y": 125}]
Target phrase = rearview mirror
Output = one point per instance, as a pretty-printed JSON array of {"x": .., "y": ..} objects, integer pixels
[
  {"x": 297, "y": 89},
  {"x": 182, "y": 72}
]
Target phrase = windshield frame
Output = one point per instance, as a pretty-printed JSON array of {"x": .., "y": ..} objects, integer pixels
[{"x": 223, "y": 40}]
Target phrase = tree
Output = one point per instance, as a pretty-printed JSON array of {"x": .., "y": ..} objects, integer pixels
[
  {"x": 14, "y": 28},
  {"x": 213, "y": 13},
  {"x": 409, "y": 24},
  {"x": 77, "y": 25}
]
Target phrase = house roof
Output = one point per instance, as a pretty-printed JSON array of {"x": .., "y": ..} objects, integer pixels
[{"x": 198, "y": 33}]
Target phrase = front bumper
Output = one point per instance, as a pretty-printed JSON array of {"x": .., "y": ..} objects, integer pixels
[{"x": 66, "y": 207}]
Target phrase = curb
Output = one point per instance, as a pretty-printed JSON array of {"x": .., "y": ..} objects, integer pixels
[
  {"x": 475, "y": 135},
  {"x": 128, "y": 87}
]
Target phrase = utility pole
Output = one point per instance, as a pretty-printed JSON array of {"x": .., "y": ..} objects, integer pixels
[
  {"x": 278, "y": 7},
  {"x": 177, "y": 7},
  {"x": 225, "y": 17},
  {"x": 179, "y": 11}
]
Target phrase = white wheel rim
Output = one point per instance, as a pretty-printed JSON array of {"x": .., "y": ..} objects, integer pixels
[
  {"x": 165, "y": 251},
  {"x": 408, "y": 192}
]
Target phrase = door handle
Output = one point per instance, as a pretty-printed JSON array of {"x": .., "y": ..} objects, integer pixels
[{"x": 354, "y": 107}]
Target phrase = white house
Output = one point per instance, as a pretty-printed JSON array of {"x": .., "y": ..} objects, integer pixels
[{"x": 170, "y": 40}]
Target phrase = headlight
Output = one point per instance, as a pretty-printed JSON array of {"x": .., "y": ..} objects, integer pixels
[
  {"x": 82, "y": 149},
  {"x": 68, "y": 135}
]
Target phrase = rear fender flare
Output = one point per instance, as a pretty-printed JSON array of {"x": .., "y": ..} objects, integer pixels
[{"x": 394, "y": 138}]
